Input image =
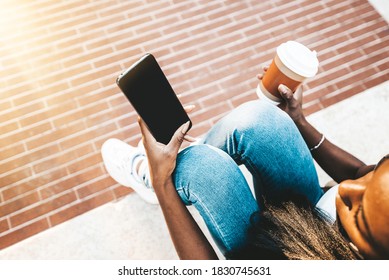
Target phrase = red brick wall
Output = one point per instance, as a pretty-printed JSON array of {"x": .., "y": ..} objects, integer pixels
[{"x": 59, "y": 102}]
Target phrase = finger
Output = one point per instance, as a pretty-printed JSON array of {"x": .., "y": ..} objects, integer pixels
[
  {"x": 264, "y": 69},
  {"x": 147, "y": 136},
  {"x": 178, "y": 137},
  {"x": 189, "y": 108},
  {"x": 286, "y": 93},
  {"x": 299, "y": 94},
  {"x": 190, "y": 138}
]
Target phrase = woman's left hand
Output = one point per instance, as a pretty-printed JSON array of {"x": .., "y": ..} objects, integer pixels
[{"x": 162, "y": 158}]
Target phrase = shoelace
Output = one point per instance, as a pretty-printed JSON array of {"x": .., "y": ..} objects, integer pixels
[{"x": 142, "y": 175}]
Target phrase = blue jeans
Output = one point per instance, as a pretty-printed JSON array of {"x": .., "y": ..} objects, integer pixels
[{"x": 264, "y": 139}]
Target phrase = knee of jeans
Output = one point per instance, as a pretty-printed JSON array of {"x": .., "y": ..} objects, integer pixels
[
  {"x": 259, "y": 116},
  {"x": 199, "y": 168}
]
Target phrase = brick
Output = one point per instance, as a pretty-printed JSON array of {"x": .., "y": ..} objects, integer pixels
[
  {"x": 370, "y": 27},
  {"x": 130, "y": 119},
  {"x": 63, "y": 7},
  {"x": 15, "y": 176},
  {"x": 112, "y": 114},
  {"x": 87, "y": 135},
  {"x": 121, "y": 191},
  {"x": 55, "y": 135},
  {"x": 341, "y": 60},
  {"x": 71, "y": 182},
  {"x": 368, "y": 62},
  {"x": 203, "y": 28},
  {"x": 90, "y": 77},
  {"x": 200, "y": 129},
  {"x": 341, "y": 96},
  {"x": 306, "y": 11},
  {"x": 80, "y": 113},
  {"x": 80, "y": 93},
  {"x": 203, "y": 9},
  {"x": 231, "y": 59},
  {"x": 198, "y": 93},
  {"x": 4, "y": 128},
  {"x": 355, "y": 78},
  {"x": 46, "y": 114},
  {"x": 85, "y": 162},
  {"x": 23, "y": 233},
  {"x": 183, "y": 6},
  {"x": 316, "y": 93},
  {"x": 21, "y": 111},
  {"x": 118, "y": 57},
  {"x": 101, "y": 23},
  {"x": 14, "y": 205},
  {"x": 138, "y": 40},
  {"x": 3, "y": 226},
  {"x": 5, "y": 105},
  {"x": 34, "y": 182},
  {"x": 95, "y": 187},
  {"x": 59, "y": 159},
  {"x": 353, "y": 45},
  {"x": 243, "y": 98},
  {"x": 383, "y": 66},
  {"x": 236, "y": 27},
  {"x": 7, "y": 152},
  {"x": 42, "y": 209},
  {"x": 130, "y": 23},
  {"x": 75, "y": 18},
  {"x": 224, "y": 96},
  {"x": 215, "y": 110},
  {"x": 313, "y": 108},
  {"x": 156, "y": 23},
  {"x": 80, "y": 208},
  {"x": 112, "y": 9},
  {"x": 278, "y": 11},
  {"x": 328, "y": 77},
  {"x": 83, "y": 57},
  {"x": 359, "y": 14},
  {"x": 376, "y": 80},
  {"x": 331, "y": 13},
  {"x": 378, "y": 46},
  {"x": 27, "y": 158}
]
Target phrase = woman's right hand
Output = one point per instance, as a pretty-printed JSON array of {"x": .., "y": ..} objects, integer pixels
[{"x": 292, "y": 102}]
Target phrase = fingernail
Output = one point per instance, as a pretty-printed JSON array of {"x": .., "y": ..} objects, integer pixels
[
  {"x": 283, "y": 89},
  {"x": 191, "y": 107},
  {"x": 185, "y": 127}
]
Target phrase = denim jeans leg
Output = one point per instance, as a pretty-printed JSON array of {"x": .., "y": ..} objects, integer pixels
[
  {"x": 264, "y": 138},
  {"x": 210, "y": 180}
]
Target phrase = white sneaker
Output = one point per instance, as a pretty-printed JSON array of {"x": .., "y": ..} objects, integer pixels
[{"x": 121, "y": 161}]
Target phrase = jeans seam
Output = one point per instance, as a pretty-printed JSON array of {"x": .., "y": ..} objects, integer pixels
[
  {"x": 216, "y": 226},
  {"x": 254, "y": 173}
]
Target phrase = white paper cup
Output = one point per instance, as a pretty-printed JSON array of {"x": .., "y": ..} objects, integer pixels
[{"x": 292, "y": 64}]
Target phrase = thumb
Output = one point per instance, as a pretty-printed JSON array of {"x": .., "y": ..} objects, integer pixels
[
  {"x": 286, "y": 93},
  {"x": 147, "y": 136},
  {"x": 178, "y": 137}
]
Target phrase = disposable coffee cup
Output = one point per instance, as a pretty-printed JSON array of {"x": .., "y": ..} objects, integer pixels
[{"x": 292, "y": 64}]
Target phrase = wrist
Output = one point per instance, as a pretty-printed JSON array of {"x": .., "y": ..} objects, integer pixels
[
  {"x": 300, "y": 121},
  {"x": 163, "y": 186}
]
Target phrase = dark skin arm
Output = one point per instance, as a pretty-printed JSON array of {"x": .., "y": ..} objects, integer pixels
[
  {"x": 338, "y": 164},
  {"x": 187, "y": 237}
]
